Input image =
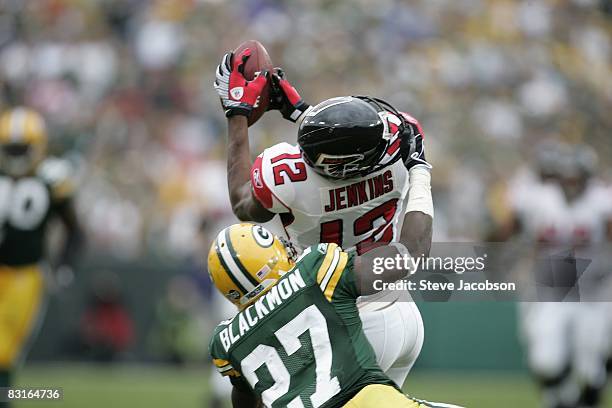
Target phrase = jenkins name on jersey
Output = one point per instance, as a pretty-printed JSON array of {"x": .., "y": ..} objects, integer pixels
[{"x": 354, "y": 213}]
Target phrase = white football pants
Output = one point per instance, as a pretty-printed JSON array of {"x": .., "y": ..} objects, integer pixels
[
  {"x": 571, "y": 334},
  {"x": 395, "y": 331}
]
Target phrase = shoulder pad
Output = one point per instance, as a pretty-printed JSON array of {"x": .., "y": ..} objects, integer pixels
[
  {"x": 315, "y": 256},
  {"x": 271, "y": 182},
  {"x": 58, "y": 174}
]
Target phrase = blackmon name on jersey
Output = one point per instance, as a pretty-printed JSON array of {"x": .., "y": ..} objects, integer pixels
[
  {"x": 354, "y": 213},
  {"x": 26, "y": 204},
  {"x": 301, "y": 344}
]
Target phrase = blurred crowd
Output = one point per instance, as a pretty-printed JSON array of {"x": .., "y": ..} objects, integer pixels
[
  {"x": 126, "y": 89},
  {"x": 126, "y": 86}
]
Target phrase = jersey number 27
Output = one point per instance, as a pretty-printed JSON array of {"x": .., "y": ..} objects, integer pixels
[{"x": 310, "y": 319}]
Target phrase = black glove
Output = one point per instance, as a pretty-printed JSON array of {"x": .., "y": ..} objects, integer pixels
[
  {"x": 412, "y": 147},
  {"x": 285, "y": 97}
]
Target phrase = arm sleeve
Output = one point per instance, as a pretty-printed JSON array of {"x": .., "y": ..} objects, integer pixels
[{"x": 219, "y": 358}]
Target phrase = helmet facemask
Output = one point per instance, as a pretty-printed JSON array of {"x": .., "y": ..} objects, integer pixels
[
  {"x": 23, "y": 141},
  {"x": 345, "y": 166},
  {"x": 19, "y": 159}
]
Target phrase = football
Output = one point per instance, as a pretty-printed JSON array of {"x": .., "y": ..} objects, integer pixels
[{"x": 257, "y": 62}]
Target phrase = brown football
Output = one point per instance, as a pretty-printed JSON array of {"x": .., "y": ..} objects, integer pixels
[{"x": 257, "y": 62}]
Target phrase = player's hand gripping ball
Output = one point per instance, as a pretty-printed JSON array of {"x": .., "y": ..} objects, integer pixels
[{"x": 238, "y": 95}]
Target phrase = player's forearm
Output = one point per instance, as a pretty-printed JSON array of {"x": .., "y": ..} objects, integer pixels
[
  {"x": 75, "y": 238},
  {"x": 241, "y": 399},
  {"x": 238, "y": 161},
  {"x": 367, "y": 267},
  {"x": 244, "y": 206},
  {"x": 417, "y": 233},
  {"x": 418, "y": 222}
]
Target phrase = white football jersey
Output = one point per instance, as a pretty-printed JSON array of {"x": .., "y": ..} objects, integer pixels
[
  {"x": 354, "y": 213},
  {"x": 558, "y": 226},
  {"x": 548, "y": 217}
]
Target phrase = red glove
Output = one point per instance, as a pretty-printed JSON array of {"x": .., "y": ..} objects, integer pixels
[
  {"x": 286, "y": 98},
  {"x": 238, "y": 96}
]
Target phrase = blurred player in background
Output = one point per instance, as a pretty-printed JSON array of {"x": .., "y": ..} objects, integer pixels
[
  {"x": 33, "y": 189},
  {"x": 264, "y": 349},
  {"x": 358, "y": 178},
  {"x": 563, "y": 208}
]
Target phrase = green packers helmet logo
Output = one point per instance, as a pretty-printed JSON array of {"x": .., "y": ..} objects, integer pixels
[{"x": 262, "y": 236}]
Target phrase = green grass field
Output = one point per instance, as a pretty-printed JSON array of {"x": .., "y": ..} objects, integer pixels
[{"x": 87, "y": 386}]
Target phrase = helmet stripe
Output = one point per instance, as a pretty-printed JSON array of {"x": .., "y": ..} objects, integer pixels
[
  {"x": 228, "y": 271},
  {"x": 230, "y": 264},
  {"x": 234, "y": 254},
  {"x": 17, "y": 124}
]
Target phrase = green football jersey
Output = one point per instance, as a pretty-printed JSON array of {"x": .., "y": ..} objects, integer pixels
[
  {"x": 26, "y": 205},
  {"x": 301, "y": 344}
]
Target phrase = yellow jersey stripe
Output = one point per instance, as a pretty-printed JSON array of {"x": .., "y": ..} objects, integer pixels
[
  {"x": 331, "y": 269},
  {"x": 329, "y": 256},
  {"x": 335, "y": 277},
  {"x": 225, "y": 368},
  {"x": 220, "y": 363}
]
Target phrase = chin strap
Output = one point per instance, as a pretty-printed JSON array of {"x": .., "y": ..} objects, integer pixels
[{"x": 292, "y": 252}]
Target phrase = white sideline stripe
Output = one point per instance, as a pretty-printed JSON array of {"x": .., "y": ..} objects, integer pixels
[
  {"x": 231, "y": 264},
  {"x": 331, "y": 269}
]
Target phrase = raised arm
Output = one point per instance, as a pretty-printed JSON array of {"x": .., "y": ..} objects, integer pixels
[
  {"x": 244, "y": 204},
  {"x": 417, "y": 229},
  {"x": 238, "y": 97}
]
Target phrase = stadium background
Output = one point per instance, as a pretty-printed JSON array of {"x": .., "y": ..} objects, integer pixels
[{"x": 126, "y": 88}]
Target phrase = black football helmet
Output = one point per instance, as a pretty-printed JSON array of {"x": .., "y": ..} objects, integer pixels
[{"x": 344, "y": 137}]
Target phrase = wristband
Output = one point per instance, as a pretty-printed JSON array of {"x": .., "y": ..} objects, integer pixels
[
  {"x": 303, "y": 114},
  {"x": 419, "y": 193}
]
